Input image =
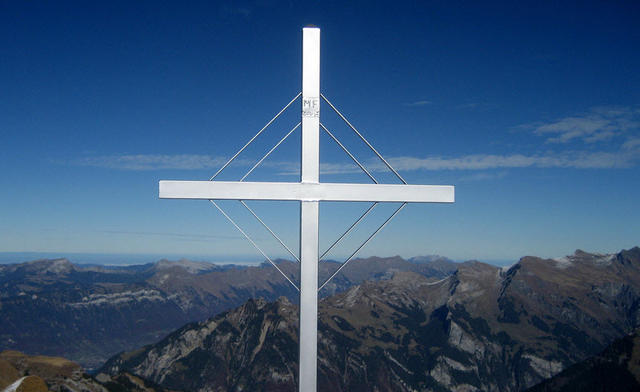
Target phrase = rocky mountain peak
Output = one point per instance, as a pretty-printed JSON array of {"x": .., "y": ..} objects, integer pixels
[
  {"x": 477, "y": 270},
  {"x": 629, "y": 257},
  {"x": 578, "y": 258},
  {"x": 581, "y": 256}
]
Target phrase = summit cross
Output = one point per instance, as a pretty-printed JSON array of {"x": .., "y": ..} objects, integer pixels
[{"x": 309, "y": 192}]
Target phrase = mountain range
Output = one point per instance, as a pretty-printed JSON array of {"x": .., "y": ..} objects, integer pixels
[
  {"x": 88, "y": 313},
  {"x": 482, "y": 328}
]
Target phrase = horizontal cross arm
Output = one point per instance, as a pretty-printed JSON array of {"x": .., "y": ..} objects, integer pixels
[{"x": 226, "y": 190}]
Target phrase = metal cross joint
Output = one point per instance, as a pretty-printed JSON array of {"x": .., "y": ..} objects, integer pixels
[{"x": 309, "y": 192}]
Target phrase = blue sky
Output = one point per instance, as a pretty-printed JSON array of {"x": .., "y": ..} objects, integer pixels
[{"x": 531, "y": 109}]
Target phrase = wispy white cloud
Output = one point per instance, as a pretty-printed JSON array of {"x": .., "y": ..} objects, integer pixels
[
  {"x": 418, "y": 103},
  {"x": 476, "y": 162},
  {"x": 141, "y": 162},
  {"x": 599, "y": 124},
  {"x": 571, "y": 159},
  {"x": 152, "y": 161}
]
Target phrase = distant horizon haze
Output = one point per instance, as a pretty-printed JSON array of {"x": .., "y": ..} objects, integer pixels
[{"x": 123, "y": 259}]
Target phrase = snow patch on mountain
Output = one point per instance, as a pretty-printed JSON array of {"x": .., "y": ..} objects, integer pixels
[{"x": 563, "y": 262}]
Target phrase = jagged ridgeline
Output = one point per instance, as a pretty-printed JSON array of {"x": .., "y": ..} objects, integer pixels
[
  {"x": 90, "y": 313},
  {"x": 482, "y": 329}
]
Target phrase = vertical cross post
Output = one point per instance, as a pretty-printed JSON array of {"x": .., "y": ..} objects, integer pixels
[
  {"x": 309, "y": 210},
  {"x": 310, "y": 192}
]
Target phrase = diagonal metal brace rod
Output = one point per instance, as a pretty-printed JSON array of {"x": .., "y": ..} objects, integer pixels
[
  {"x": 255, "y": 136},
  {"x": 363, "y": 244},
  {"x": 349, "y": 229},
  {"x": 253, "y": 243},
  {"x": 269, "y": 229},
  {"x": 367, "y": 173},
  {"x": 364, "y": 140},
  {"x": 348, "y": 153},
  {"x": 270, "y": 151},
  {"x": 251, "y": 211}
]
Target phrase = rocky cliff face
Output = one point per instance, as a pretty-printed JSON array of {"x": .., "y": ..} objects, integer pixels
[
  {"x": 482, "y": 329},
  {"x": 232, "y": 351},
  {"x": 89, "y": 313}
]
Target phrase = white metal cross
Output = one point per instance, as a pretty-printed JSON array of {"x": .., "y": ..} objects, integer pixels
[{"x": 309, "y": 191}]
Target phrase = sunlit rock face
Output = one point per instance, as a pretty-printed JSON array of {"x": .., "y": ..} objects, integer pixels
[{"x": 481, "y": 329}]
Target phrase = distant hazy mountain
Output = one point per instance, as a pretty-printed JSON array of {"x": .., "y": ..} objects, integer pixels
[
  {"x": 430, "y": 259},
  {"x": 89, "y": 313},
  {"x": 482, "y": 329}
]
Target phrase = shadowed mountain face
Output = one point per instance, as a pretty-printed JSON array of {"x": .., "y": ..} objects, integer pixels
[
  {"x": 89, "y": 313},
  {"x": 482, "y": 329},
  {"x": 617, "y": 368}
]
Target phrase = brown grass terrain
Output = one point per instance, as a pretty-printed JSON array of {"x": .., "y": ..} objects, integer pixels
[{"x": 8, "y": 374}]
